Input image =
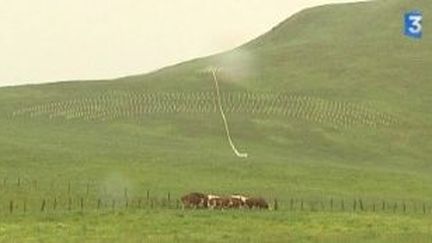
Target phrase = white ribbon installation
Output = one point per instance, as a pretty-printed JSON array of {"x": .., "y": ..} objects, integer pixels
[{"x": 219, "y": 100}]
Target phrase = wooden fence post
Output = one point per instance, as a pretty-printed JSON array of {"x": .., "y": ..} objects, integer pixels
[
  {"x": 276, "y": 205},
  {"x": 55, "y": 203},
  {"x": 11, "y": 206},
  {"x": 43, "y": 205}
]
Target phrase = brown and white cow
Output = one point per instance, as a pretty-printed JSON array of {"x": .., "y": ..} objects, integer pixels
[
  {"x": 234, "y": 201},
  {"x": 217, "y": 202},
  {"x": 238, "y": 201},
  {"x": 214, "y": 202}
]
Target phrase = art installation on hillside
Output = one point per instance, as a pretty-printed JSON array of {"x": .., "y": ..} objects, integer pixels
[{"x": 219, "y": 101}]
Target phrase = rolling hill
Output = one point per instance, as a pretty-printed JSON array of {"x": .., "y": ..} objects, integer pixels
[{"x": 334, "y": 102}]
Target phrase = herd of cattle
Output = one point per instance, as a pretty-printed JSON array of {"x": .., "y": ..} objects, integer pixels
[{"x": 201, "y": 200}]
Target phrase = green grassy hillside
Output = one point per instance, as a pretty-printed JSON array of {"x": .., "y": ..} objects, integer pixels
[{"x": 332, "y": 103}]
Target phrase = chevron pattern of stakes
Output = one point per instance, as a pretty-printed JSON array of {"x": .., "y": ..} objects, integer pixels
[{"x": 121, "y": 105}]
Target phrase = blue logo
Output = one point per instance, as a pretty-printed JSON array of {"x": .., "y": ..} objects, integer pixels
[{"x": 413, "y": 24}]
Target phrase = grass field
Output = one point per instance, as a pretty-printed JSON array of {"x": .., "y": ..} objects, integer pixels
[
  {"x": 176, "y": 226},
  {"x": 327, "y": 105}
]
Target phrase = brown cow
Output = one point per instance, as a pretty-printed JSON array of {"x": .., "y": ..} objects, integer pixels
[
  {"x": 226, "y": 202},
  {"x": 194, "y": 200},
  {"x": 257, "y": 202}
]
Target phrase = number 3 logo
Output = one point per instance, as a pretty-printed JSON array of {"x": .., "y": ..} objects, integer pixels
[
  {"x": 416, "y": 26},
  {"x": 413, "y": 24}
]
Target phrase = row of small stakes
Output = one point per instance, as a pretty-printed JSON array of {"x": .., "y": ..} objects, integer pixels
[{"x": 115, "y": 106}]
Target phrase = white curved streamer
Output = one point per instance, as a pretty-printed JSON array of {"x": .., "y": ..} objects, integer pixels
[{"x": 219, "y": 100}]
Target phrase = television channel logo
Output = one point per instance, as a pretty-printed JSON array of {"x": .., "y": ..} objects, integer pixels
[{"x": 414, "y": 24}]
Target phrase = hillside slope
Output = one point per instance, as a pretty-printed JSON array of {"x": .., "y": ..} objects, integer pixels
[{"x": 334, "y": 101}]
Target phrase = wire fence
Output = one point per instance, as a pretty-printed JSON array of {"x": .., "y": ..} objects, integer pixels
[
  {"x": 27, "y": 196},
  {"x": 82, "y": 204}
]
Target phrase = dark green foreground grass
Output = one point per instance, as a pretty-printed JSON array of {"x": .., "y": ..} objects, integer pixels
[{"x": 165, "y": 225}]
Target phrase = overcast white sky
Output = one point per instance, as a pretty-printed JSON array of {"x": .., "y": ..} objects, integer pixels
[{"x": 54, "y": 40}]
